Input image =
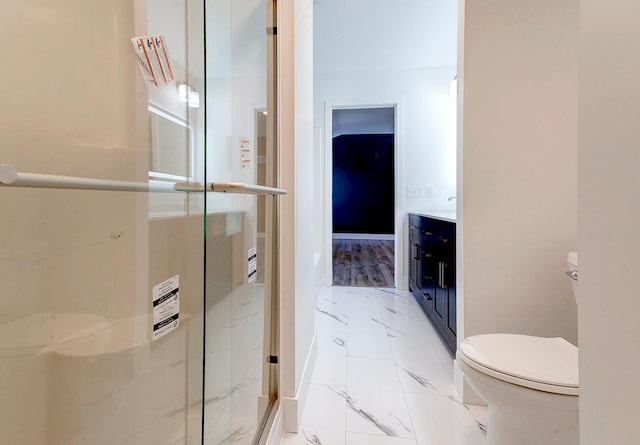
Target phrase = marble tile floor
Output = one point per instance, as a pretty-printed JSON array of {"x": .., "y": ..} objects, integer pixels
[{"x": 382, "y": 376}]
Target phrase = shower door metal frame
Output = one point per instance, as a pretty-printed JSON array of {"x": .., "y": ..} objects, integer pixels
[{"x": 271, "y": 348}]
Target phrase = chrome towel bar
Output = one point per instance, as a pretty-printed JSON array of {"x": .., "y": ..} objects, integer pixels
[{"x": 10, "y": 177}]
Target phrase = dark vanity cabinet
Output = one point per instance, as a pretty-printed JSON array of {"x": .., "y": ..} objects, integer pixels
[{"x": 432, "y": 272}]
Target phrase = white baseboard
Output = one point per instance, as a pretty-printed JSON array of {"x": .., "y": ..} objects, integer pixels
[
  {"x": 458, "y": 379},
  {"x": 465, "y": 393},
  {"x": 317, "y": 272},
  {"x": 290, "y": 414},
  {"x": 293, "y": 407}
]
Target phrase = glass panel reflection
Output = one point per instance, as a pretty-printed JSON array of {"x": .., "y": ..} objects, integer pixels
[
  {"x": 237, "y": 391},
  {"x": 78, "y": 362}
]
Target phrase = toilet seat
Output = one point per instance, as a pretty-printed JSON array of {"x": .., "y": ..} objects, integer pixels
[{"x": 544, "y": 364}]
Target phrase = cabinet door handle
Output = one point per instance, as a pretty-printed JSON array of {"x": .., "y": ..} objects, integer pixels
[
  {"x": 426, "y": 232},
  {"x": 442, "y": 268},
  {"x": 415, "y": 227},
  {"x": 427, "y": 255},
  {"x": 416, "y": 256},
  {"x": 444, "y": 240},
  {"x": 444, "y": 278}
]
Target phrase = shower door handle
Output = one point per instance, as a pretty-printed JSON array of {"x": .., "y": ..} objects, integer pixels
[
  {"x": 242, "y": 188},
  {"x": 11, "y": 177}
]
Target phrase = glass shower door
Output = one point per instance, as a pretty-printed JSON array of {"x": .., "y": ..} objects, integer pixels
[
  {"x": 240, "y": 308},
  {"x": 122, "y": 270},
  {"x": 101, "y": 254}
]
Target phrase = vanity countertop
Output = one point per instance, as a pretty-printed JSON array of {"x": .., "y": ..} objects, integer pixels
[{"x": 444, "y": 215}]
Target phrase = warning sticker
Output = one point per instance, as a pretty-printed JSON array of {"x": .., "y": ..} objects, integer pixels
[
  {"x": 252, "y": 265},
  {"x": 245, "y": 153},
  {"x": 153, "y": 60},
  {"x": 166, "y": 307}
]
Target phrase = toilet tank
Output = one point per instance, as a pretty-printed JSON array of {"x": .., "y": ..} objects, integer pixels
[{"x": 572, "y": 261}]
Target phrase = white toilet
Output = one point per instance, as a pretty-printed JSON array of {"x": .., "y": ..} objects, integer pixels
[{"x": 529, "y": 383}]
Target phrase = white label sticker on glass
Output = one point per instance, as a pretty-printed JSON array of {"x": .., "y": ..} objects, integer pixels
[
  {"x": 153, "y": 60},
  {"x": 252, "y": 269},
  {"x": 166, "y": 307},
  {"x": 245, "y": 153}
]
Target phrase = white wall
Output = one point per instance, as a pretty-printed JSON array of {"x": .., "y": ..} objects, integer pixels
[
  {"x": 608, "y": 221},
  {"x": 298, "y": 293},
  {"x": 425, "y": 135},
  {"x": 363, "y": 121},
  {"x": 518, "y": 151},
  {"x": 399, "y": 55},
  {"x": 383, "y": 35},
  {"x": 303, "y": 144}
]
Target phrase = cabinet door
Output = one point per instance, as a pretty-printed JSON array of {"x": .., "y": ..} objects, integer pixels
[
  {"x": 448, "y": 282},
  {"x": 438, "y": 243},
  {"x": 447, "y": 294},
  {"x": 440, "y": 294},
  {"x": 414, "y": 264},
  {"x": 414, "y": 253},
  {"x": 450, "y": 322},
  {"x": 428, "y": 272}
]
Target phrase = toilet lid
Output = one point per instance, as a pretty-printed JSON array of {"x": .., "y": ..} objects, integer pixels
[{"x": 546, "y": 364}]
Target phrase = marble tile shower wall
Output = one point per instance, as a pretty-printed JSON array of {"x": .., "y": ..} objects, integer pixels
[
  {"x": 233, "y": 366},
  {"x": 382, "y": 376}
]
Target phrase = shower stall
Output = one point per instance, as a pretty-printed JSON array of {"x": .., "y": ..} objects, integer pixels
[{"x": 139, "y": 201}]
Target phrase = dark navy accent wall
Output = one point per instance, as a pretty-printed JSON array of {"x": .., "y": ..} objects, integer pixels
[{"x": 363, "y": 183}]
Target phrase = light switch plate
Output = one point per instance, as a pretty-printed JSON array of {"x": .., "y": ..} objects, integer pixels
[
  {"x": 415, "y": 191},
  {"x": 429, "y": 189}
]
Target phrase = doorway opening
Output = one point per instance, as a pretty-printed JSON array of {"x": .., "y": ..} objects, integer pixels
[{"x": 363, "y": 196}]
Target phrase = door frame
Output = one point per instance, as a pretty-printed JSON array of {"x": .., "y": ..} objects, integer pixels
[{"x": 400, "y": 267}]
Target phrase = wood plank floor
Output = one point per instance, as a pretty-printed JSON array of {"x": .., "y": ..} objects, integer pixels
[{"x": 367, "y": 263}]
